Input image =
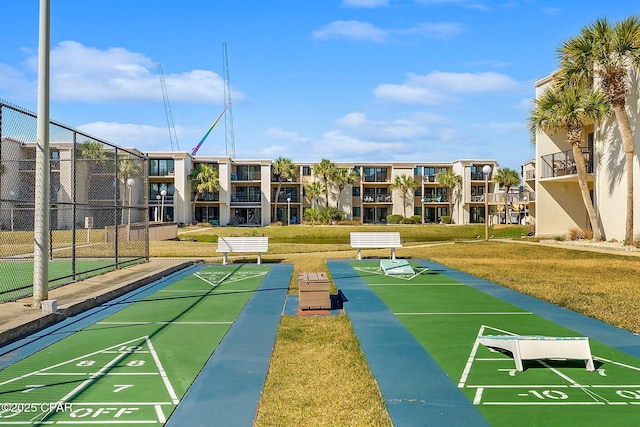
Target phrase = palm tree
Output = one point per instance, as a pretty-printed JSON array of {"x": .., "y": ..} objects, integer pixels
[
  {"x": 284, "y": 170},
  {"x": 569, "y": 108},
  {"x": 204, "y": 179},
  {"x": 609, "y": 53},
  {"x": 342, "y": 177},
  {"x": 507, "y": 178},
  {"x": 449, "y": 179},
  {"x": 315, "y": 190},
  {"x": 324, "y": 170},
  {"x": 405, "y": 184}
]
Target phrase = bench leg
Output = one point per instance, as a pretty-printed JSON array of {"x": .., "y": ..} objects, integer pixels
[
  {"x": 224, "y": 258},
  {"x": 259, "y": 258},
  {"x": 393, "y": 253},
  {"x": 358, "y": 254}
]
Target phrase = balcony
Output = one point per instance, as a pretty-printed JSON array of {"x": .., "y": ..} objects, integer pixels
[
  {"x": 246, "y": 176},
  {"x": 563, "y": 163},
  {"x": 435, "y": 199},
  {"x": 430, "y": 178},
  {"x": 377, "y": 198},
  {"x": 283, "y": 198},
  {"x": 245, "y": 198}
]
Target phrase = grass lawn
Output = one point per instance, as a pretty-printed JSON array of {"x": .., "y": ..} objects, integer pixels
[{"x": 318, "y": 375}]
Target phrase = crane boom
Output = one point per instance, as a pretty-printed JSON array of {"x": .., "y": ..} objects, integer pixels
[
  {"x": 195, "y": 149},
  {"x": 228, "y": 124},
  {"x": 173, "y": 137}
]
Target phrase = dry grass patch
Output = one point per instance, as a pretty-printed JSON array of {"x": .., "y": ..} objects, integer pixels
[
  {"x": 602, "y": 286},
  {"x": 318, "y": 376}
]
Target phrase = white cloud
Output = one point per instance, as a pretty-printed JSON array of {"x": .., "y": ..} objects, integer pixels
[
  {"x": 356, "y": 30},
  {"x": 364, "y": 31},
  {"x": 280, "y": 134},
  {"x": 365, "y": 3},
  {"x": 91, "y": 75},
  {"x": 142, "y": 137},
  {"x": 437, "y": 87},
  {"x": 504, "y": 128},
  {"x": 434, "y": 30},
  {"x": 15, "y": 84},
  {"x": 470, "y": 4}
]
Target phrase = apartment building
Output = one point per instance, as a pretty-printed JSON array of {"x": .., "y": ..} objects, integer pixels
[
  {"x": 558, "y": 202},
  {"x": 249, "y": 193}
]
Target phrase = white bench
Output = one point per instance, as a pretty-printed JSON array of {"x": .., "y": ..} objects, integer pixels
[
  {"x": 540, "y": 348},
  {"x": 242, "y": 244},
  {"x": 375, "y": 240}
]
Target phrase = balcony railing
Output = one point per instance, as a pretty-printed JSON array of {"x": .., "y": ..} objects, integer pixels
[
  {"x": 530, "y": 174},
  {"x": 435, "y": 199},
  {"x": 479, "y": 176},
  {"x": 563, "y": 163},
  {"x": 293, "y": 198},
  {"x": 244, "y": 198},
  {"x": 251, "y": 176},
  {"x": 377, "y": 198},
  {"x": 429, "y": 178}
]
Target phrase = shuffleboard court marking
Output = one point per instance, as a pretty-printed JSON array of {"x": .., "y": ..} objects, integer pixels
[
  {"x": 379, "y": 272},
  {"x": 93, "y": 370},
  {"x": 562, "y": 393}
]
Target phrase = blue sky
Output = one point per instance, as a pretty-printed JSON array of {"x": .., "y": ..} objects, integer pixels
[{"x": 347, "y": 80}]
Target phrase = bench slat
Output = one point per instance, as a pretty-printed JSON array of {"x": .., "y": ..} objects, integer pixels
[
  {"x": 375, "y": 240},
  {"x": 242, "y": 244}
]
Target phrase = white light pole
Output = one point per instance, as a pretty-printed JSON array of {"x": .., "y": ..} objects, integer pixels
[
  {"x": 158, "y": 197},
  {"x": 288, "y": 210},
  {"x": 130, "y": 184},
  {"x": 13, "y": 204},
  {"x": 162, "y": 193},
  {"x": 42, "y": 206},
  {"x": 486, "y": 169}
]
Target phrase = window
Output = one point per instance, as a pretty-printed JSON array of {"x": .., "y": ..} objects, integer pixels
[
  {"x": 248, "y": 173},
  {"x": 417, "y": 171},
  {"x": 161, "y": 167},
  {"x": 306, "y": 171},
  {"x": 375, "y": 174},
  {"x": 355, "y": 191},
  {"x": 157, "y": 187},
  {"x": 356, "y": 212}
]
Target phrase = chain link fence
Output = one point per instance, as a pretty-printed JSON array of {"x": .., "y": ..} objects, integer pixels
[{"x": 98, "y": 204}]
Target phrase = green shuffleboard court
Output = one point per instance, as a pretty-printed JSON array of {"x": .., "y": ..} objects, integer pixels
[
  {"x": 134, "y": 366},
  {"x": 446, "y": 317}
]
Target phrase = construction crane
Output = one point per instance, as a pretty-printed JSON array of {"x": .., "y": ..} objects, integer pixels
[
  {"x": 228, "y": 124},
  {"x": 227, "y": 112},
  {"x": 173, "y": 137},
  {"x": 195, "y": 149}
]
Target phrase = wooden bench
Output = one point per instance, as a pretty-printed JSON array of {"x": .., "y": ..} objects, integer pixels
[
  {"x": 540, "y": 348},
  {"x": 242, "y": 244},
  {"x": 375, "y": 240}
]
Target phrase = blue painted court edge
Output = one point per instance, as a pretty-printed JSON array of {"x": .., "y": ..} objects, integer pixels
[{"x": 241, "y": 359}]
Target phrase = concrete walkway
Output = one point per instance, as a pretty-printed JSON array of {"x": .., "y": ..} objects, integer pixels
[{"x": 18, "y": 319}]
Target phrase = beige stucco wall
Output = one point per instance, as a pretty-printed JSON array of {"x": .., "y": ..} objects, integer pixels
[{"x": 611, "y": 181}]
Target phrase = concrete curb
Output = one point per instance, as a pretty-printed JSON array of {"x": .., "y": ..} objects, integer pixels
[{"x": 36, "y": 320}]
